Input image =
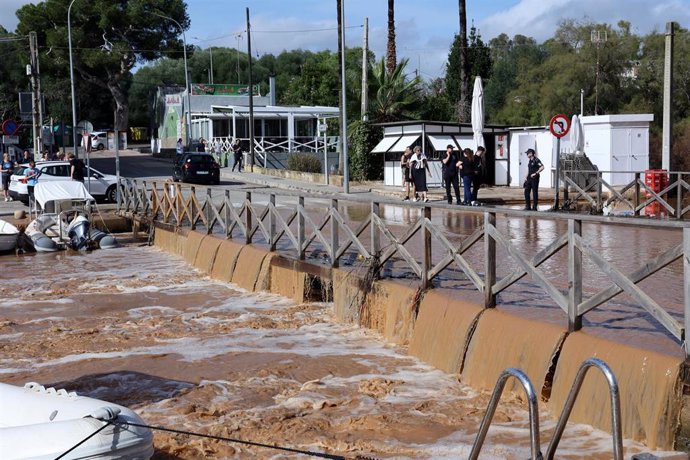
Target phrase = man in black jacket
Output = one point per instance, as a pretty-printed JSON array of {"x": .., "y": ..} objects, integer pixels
[{"x": 450, "y": 173}]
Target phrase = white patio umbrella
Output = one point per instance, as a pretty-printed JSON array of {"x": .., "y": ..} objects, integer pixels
[
  {"x": 478, "y": 113},
  {"x": 577, "y": 135}
]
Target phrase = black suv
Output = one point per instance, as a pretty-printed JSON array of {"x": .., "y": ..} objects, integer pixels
[{"x": 196, "y": 167}]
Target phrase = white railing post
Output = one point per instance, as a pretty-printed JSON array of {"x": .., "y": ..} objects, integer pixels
[
  {"x": 489, "y": 261},
  {"x": 574, "y": 276},
  {"x": 334, "y": 234}
]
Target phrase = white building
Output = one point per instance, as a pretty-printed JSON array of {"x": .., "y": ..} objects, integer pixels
[{"x": 617, "y": 144}]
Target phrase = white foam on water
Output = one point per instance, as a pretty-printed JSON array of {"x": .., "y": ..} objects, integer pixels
[
  {"x": 152, "y": 310},
  {"x": 7, "y": 303}
]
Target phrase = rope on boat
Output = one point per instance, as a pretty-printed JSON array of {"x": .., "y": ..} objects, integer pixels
[
  {"x": 107, "y": 423},
  {"x": 216, "y": 438}
]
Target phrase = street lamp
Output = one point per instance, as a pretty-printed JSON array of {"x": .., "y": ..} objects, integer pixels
[
  {"x": 186, "y": 73},
  {"x": 71, "y": 79}
]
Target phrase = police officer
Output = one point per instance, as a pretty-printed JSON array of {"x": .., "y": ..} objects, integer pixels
[{"x": 534, "y": 167}]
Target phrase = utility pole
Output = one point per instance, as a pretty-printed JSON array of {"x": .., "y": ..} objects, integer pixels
[
  {"x": 37, "y": 110},
  {"x": 343, "y": 95},
  {"x": 668, "y": 99},
  {"x": 251, "y": 97},
  {"x": 596, "y": 38},
  {"x": 365, "y": 68}
]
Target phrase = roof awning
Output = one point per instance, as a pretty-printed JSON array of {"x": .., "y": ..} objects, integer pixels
[
  {"x": 385, "y": 144},
  {"x": 441, "y": 142},
  {"x": 404, "y": 142},
  {"x": 465, "y": 142}
]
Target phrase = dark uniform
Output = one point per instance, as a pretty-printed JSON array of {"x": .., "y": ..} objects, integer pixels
[{"x": 532, "y": 182}]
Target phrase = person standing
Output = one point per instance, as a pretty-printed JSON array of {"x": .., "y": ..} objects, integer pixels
[
  {"x": 201, "y": 146},
  {"x": 76, "y": 168},
  {"x": 237, "y": 155},
  {"x": 531, "y": 185},
  {"x": 466, "y": 165},
  {"x": 406, "y": 174},
  {"x": 32, "y": 174},
  {"x": 450, "y": 174},
  {"x": 479, "y": 173},
  {"x": 6, "y": 170},
  {"x": 26, "y": 156},
  {"x": 419, "y": 166},
  {"x": 179, "y": 147}
]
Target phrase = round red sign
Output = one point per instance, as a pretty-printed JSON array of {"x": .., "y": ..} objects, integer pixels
[
  {"x": 559, "y": 125},
  {"x": 9, "y": 127}
]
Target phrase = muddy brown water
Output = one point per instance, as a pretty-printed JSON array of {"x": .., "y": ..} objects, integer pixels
[{"x": 142, "y": 328}]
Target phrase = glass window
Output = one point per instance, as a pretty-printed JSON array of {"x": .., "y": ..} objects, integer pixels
[{"x": 56, "y": 170}]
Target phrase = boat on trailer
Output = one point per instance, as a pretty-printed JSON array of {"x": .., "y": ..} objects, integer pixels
[
  {"x": 66, "y": 219},
  {"x": 41, "y": 423}
]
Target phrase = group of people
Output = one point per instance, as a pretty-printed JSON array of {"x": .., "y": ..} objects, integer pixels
[
  {"x": 470, "y": 166},
  {"x": 77, "y": 170}
]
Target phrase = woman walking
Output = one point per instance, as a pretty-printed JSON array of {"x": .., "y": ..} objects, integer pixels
[
  {"x": 7, "y": 169},
  {"x": 419, "y": 167},
  {"x": 405, "y": 168}
]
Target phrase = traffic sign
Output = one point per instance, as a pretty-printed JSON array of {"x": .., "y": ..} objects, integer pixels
[
  {"x": 10, "y": 140},
  {"x": 9, "y": 127},
  {"x": 559, "y": 125}
]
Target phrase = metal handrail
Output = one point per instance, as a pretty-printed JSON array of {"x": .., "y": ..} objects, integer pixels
[
  {"x": 616, "y": 430},
  {"x": 495, "y": 397}
]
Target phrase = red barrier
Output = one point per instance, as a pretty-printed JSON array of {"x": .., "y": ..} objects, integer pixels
[{"x": 656, "y": 180}]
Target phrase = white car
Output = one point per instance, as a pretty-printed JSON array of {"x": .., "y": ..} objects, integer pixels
[
  {"x": 99, "y": 140},
  {"x": 102, "y": 186}
]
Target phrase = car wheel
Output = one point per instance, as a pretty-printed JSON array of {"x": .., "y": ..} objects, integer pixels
[
  {"x": 101, "y": 147},
  {"x": 111, "y": 194}
]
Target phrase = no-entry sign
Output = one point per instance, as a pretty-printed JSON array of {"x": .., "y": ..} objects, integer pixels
[
  {"x": 559, "y": 125},
  {"x": 9, "y": 127}
]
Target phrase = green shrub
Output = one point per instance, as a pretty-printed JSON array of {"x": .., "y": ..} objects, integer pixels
[
  {"x": 304, "y": 162},
  {"x": 364, "y": 165}
]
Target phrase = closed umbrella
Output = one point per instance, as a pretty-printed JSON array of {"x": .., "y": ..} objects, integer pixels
[
  {"x": 478, "y": 113},
  {"x": 577, "y": 136}
]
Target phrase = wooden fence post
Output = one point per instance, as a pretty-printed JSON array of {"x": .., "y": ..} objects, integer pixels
[
  {"x": 209, "y": 213},
  {"x": 574, "y": 276},
  {"x": 489, "y": 261},
  {"x": 272, "y": 222},
  {"x": 426, "y": 245},
  {"x": 679, "y": 196},
  {"x": 334, "y": 235},
  {"x": 686, "y": 283},
  {"x": 374, "y": 231},
  {"x": 300, "y": 228},
  {"x": 248, "y": 218},
  {"x": 191, "y": 211},
  {"x": 227, "y": 214}
]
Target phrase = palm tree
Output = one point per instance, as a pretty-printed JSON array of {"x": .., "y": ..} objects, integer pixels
[
  {"x": 391, "y": 58},
  {"x": 464, "y": 102},
  {"x": 394, "y": 93}
]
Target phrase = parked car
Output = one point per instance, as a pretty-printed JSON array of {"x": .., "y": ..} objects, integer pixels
[
  {"x": 99, "y": 140},
  {"x": 102, "y": 186},
  {"x": 196, "y": 167}
]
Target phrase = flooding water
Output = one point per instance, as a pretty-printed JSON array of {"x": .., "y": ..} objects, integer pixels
[{"x": 141, "y": 328}]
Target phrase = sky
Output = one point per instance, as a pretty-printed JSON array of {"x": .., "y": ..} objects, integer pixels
[{"x": 424, "y": 28}]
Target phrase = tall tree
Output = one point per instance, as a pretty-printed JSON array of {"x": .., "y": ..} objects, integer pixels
[
  {"x": 464, "y": 101},
  {"x": 108, "y": 39},
  {"x": 395, "y": 94},
  {"x": 391, "y": 56}
]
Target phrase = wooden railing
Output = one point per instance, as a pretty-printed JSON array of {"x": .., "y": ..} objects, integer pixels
[
  {"x": 323, "y": 231},
  {"x": 634, "y": 196}
]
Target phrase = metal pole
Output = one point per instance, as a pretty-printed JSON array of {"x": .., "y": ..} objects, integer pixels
[
  {"x": 117, "y": 162},
  {"x": 71, "y": 79},
  {"x": 582, "y": 102},
  {"x": 556, "y": 203},
  {"x": 343, "y": 121},
  {"x": 186, "y": 75},
  {"x": 251, "y": 96},
  {"x": 668, "y": 99},
  {"x": 210, "y": 52},
  {"x": 365, "y": 87},
  {"x": 34, "y": 91}
]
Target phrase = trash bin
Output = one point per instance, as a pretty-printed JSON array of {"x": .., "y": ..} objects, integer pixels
[{"x": 656, "y": 180}]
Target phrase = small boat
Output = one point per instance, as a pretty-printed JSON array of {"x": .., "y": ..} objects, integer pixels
[
  {"x": 66, "y": 219},
  {"x": 8, "y": 236},
  {"x": 41, "y": 423}
]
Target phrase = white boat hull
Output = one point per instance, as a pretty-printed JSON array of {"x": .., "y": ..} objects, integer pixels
[
  {"x": 42, "y": 424},
  {"x": 9, "y": 235}
]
